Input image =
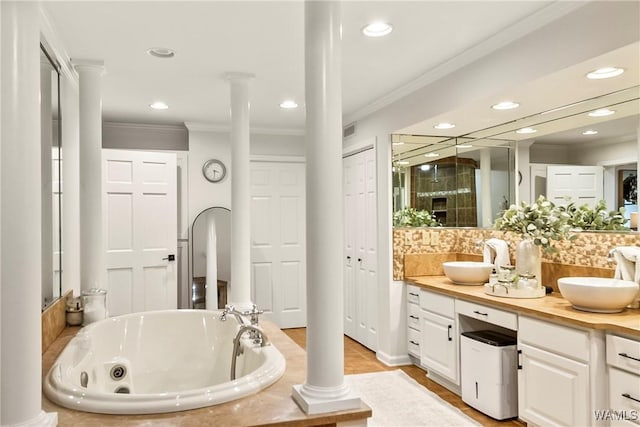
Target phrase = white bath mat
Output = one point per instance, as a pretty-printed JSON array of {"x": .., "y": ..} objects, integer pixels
[{"x": 398, "y": 400}]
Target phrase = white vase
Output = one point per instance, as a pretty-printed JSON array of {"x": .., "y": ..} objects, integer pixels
[{"x": 528, "y": 259}]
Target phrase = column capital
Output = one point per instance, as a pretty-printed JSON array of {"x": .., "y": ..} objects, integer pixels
[
  {"x": 234, "y": 76},
  {"x": 82, "y": 65}
]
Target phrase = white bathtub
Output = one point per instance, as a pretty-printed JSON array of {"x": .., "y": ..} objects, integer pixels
[{"x": 173, "y": 360}]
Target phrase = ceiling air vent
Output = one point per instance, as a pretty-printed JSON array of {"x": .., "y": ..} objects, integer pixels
[{"x": 349, "y": 130}]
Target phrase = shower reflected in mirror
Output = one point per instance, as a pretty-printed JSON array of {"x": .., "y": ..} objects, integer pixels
[{"x": 210, "y": 258}]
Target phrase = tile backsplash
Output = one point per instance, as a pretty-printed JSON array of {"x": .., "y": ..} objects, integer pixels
[{"x": 586, "y": 255}]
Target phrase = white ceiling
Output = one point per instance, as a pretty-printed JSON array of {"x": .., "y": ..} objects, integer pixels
[{"x": 266, "y": 38}]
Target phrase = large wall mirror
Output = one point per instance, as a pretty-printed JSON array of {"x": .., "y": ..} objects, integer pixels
[
  {"x": 461, "y": 182},
  {"x": 600, "y": 132},
  {"x": 51, "y": 165},
  {"x": 210, "y": 255}
]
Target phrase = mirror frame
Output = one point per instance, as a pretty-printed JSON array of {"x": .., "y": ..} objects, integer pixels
[{"x": 56, "y": 246}]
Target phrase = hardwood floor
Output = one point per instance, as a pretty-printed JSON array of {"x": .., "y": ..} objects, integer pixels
[{"x": 359, "y": 359}]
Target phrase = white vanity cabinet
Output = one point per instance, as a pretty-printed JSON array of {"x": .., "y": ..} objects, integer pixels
[
  {"x": 556, "y": 381},
  {"x": 439, "y": 336},
  {"x": 623, "y": 366},
  {"x": 413, "y": 321}
]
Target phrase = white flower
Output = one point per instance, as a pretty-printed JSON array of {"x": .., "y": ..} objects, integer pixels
[{"x": 531, "y": 227}]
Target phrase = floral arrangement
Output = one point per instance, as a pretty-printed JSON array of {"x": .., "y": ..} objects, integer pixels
[
  {"x": 411, "y": 217},
  {"x": 540, "y": 221},
  {"x": 598, "y": 218}
]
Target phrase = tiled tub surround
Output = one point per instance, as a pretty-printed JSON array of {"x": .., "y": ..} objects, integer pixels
[
  {"x": 54, "y": 319},
  {"x": 584, "y": 256},
  {"x": 272, "y": 406}
]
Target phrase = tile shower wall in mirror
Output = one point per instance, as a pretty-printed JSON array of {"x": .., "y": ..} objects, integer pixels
[{"x": 461, "y": 182}]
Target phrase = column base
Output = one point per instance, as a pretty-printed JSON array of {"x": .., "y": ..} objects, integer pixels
[
  {"x": 317, "y": 401},
  {"x": 44, "y": 419}
]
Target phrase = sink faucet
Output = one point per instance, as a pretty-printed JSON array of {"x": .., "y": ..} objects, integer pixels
[{"x": 256, "y": 334}]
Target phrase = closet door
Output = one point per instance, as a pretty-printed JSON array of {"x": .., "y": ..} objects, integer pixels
[
  {"x": 360, "y": 268},
  {"x": 278, "y": 241}
]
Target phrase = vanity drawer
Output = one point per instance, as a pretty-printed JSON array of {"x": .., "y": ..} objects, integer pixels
[
  {"x": 623, "y": 353},
  {"x": 413, "y": 316},
  {"x": 488, "y": 314},
  {"x": 413, "y": 294},
  {"x": 569, "y": 342},
  {"x": 437, "y": 303},
  {"x": 413, "y": 342},
  {"x": 624, "y": 396}
]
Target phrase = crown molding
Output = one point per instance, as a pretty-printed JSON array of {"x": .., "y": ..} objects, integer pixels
[
  {"x": 145, "y": 126},
  {"x": 211, "y": 127}
]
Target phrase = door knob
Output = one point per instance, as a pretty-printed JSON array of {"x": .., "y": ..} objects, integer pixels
[{"x": 170, "y": 257}]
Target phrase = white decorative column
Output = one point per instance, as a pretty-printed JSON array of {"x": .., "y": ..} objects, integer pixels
[
  {"x": 240, "y": 287},
  {"x": 325, "y": 389},
  {"x": 485, "y": 187},
  {"x": 21, "y": 223},
  {"x": 91, "y": 248}
]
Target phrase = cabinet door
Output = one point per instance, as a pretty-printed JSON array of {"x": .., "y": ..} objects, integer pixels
[
  {"x": 552, "y": 390},
  {"x": 439, "y": 345}
]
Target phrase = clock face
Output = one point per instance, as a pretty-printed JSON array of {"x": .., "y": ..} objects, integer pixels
[{"x": 214, "y": 170}]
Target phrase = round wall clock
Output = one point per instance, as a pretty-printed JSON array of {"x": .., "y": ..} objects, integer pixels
[{"x": 214, "y": 170}]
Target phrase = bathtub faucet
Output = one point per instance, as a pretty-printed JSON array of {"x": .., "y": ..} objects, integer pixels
[
  {"x": 241, "y": 316},
  {"x": 257, "y": 336}
]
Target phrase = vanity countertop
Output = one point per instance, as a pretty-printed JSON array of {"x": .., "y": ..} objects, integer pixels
[{"x": 552, "y": 307}]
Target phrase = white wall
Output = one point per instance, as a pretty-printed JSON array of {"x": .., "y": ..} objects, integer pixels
[
  {"x": 206, "y": 143},
  {"x": 621, "y": 153}
]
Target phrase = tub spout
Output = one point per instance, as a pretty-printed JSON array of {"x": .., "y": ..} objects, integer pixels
[{"x": 258, "y": 336}]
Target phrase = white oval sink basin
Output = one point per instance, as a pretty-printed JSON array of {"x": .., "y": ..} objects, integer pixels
[
  {"x": 598, "y": 294},
  {"x": 467, "y": 272}
]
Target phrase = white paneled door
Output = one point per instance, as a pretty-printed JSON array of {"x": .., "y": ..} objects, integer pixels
[
  {"x": 278, "y": 241},
  {"x": 582, "y": 184},
  {"x": 139, "y": 203},
  {"x": 360, "y": 250}
]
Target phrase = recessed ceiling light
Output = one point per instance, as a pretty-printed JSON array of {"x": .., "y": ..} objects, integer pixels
[
  {"x": 605, "y": 73},
  {"x": 505, "y": 105},
  {"x": 464, "y": 146},
  {"x": 398, "y": 143},
  {"x": 161, "y": 52},
  {"x": 288, "y": 104},
  {"x": 526, "y": 130},
  {"x": 377, "y": 29},
  {"x": 432, "y": 155},
  {"x": 601, "y": 112},
  {"x": 590, "y": 132},
  {"x": 444, "y": 125},
  {"x": 159, "y": 105},
  {"x": 403, "y": 162}
]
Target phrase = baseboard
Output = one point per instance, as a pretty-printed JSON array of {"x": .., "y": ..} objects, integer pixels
[{"x": 389, "y": 360}]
